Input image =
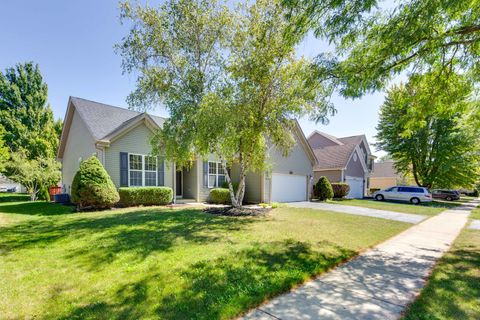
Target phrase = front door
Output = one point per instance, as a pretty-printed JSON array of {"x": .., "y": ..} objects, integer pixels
[{"x": 179, "y": 183}]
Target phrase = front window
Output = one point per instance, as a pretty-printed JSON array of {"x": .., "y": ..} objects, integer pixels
[
  {"x": 142, "y": 170},
  {"x": 216, "y": 174}
]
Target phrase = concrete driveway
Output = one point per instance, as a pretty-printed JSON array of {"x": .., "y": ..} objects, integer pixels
[{"x": 359, "y": 211}]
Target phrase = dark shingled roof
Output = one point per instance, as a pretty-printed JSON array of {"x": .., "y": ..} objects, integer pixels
[
  {"x": 102, "y": 119},
  {"x": 335, "y": 157}
]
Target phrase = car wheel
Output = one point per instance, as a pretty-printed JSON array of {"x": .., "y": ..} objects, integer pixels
[
  {"x": 448, "y": 198},
  {"x": 379, "y": 197},
  {"x": 415, "y": 200}
]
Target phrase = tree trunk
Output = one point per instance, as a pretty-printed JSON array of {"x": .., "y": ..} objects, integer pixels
[{"x": 236, "y": 198}]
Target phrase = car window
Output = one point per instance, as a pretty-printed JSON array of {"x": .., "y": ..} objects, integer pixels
[
  {"x": 394, "y": 189},
  {"x": 403, "y": 189}
]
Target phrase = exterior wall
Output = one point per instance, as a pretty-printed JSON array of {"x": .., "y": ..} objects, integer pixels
[
  {"x": 382, "y": 183},
  {"x": 253, "y": 190},
  {"x": 354, "y": 168},
  {"x": 332, "y": 175},
  {"x": 204, "y": 191},
  {"x": 318, "y": 141},
  {"x": 297, "y": 161},
  {"x": 136, "y": 140},
  {"x": 80, "y": 145},
  {"x": 190, "y": 181}
]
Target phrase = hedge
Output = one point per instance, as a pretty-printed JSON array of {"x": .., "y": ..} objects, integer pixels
[
  {"x": 147, "y": 196},
  {"x": 340, "y": 189},
  {"x": 92, "y": 187},
  {"x": 220, "y": 196}
]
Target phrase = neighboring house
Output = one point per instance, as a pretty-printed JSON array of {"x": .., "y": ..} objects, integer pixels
[
  {"x": 347, "y": 159},
  {"x": 120, "y": 138},
  {"x": 386, "y": 176},
  {"x": 9, "y": 185}
]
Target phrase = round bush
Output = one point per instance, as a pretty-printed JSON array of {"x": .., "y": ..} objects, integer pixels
[
  {"x": 146, "y": 196},
  {"x": 340, "y": 189},
  {"x": 323, "y": 189},
  {"x": 92, "y": 187},
  {"x": 220, "y": 196}
]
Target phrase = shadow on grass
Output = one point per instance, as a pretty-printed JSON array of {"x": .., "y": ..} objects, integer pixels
[
  {"x": 37, "y": 208},
  {"x": 224, "y": 287},
  {"x": 453, "y": 289},
  {"x": 138, "y": 232}
]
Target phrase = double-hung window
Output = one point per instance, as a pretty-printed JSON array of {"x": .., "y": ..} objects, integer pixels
[
  {"x": 142, "y": 170},
  {"x": 216, "y": 174}
]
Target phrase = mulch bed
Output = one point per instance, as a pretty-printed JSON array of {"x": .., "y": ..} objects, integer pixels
[{"x": 236, "y": 212}]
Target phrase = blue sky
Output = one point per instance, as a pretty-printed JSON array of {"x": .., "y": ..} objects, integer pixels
[{"x": 72, "y": 41}]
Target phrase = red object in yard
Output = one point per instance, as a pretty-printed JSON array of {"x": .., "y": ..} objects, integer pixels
[{"x": 53, "y": 191}]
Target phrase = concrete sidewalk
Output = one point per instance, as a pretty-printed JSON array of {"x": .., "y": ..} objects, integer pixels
[
  {"x": 379, "y": 283},
  {"x": 360, "y": 211}
]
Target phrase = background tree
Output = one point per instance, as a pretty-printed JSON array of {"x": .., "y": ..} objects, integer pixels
[
  {"x": 431, "y": 128},
  {"x": 33, "y": 174},
  {"x": 230, "y": 81},
  {"x": 373, "y": 44},
  {"x": 25, "y": 114},
  {"x": 4, "y": 151}
]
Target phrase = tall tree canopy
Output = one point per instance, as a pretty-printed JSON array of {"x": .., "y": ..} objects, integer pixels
[
  {"x": 373, "y": 45},
  {"x": 25, "y": 114},
  {"x": 4, "y": 151},
  {"x": 229, "y": 79},
  {"x": 431, "y": 128}
]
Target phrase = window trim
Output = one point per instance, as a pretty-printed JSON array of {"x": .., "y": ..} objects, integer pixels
[
  {"x": 216, "y": 174},
  {"x": 143, "y": 170}
]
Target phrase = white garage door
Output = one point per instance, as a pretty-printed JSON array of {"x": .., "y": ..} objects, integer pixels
[
  {"x": 288, "y": 187},
  {"x": 356, "y": 187}
]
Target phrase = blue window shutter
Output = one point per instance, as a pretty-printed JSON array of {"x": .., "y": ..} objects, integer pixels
[
  {"x": 123, "y": 169},
  {"x": 161, "y": 171},
  {"x": 205, "y": 173}
]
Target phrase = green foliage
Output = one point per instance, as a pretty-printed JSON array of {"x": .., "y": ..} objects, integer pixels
[
  {"x": 219, "y": 196},
  {"x": 33, "y": 174},
  {"x": 25, "y": 114},
  {"x": 340, "y": 189},
  {"x": 323, "y": 189},
  {"x": 228, "y": 87},
  {"x": 374, "y": 44},
  {"x": 431, "y": 128},
  {"x": 92, "y": 187},
  {"x": 235, "y": 186},
  {"x": 43, "y": 194},
  {"x": 4, "y": 151},
  {"x": 147, "y": 196}
]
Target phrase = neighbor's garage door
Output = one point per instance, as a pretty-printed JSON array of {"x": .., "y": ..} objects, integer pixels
[
  {"x": 288, "y": 187},
  {"x": 356, "y": 187}
]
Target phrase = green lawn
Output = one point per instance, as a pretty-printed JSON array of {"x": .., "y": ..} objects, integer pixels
[
  {"x": 427, "y": 208},
  {"x": 453, "y": 290},
  {"x": 166, "y": 263},
  {"x": 475, "y": 213}
]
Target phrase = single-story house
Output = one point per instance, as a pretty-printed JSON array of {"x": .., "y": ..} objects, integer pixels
[
  {"x": 386, "y": 176},
  {"x": 120, "y": 138},
  {"x": 347, "y": 159}
]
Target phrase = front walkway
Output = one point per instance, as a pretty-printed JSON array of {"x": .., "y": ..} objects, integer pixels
[
  {"x": 384, "y": 214},
  {"x": 379, "y": 283}
]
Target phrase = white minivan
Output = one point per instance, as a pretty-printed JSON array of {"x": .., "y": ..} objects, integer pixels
[{"x": 414, "y": 195}]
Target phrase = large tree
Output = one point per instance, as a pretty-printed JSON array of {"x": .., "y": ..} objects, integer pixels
[
  {"x": 25, "y": 114},
  {"x": 231, "y": 98},
  {"x": 431, "y": 128},
  {"x": 4, "y": 151},
  {"x": 374, "y": 41}
]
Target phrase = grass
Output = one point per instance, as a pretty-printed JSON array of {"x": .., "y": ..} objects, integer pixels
[
  {"x": 166, "y": 263},
  {"x": 426, "y": 209},
  {"x": 475, "y": 213},
  {"x": 453, "y": 289}
]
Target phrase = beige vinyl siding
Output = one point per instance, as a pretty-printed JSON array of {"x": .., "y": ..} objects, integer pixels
[
  {"x": 137, "y": 141},
  {"x": 297, "y": 161},
  {"x": 332, "y": 175},
  {"x": 253, "y": 191},
  {"x": 80, "y": 145},
  {"x": 382, "y": 183}
]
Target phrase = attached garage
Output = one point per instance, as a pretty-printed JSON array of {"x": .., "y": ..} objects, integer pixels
[
  {"x": 289, "y": 187},
  {"x": 356, "y": 187}
]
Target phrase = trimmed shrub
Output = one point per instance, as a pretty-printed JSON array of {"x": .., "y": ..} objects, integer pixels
[
  {"x": 373, "y": 190},
  {"x": 323, "y": 189},
  {"x": 340, "y": 189},
  {"x": 146, "y": 196},
  {"x": 43, "y": 194},
  {"x": 220, "y": 196},
  {"x": 92, "y": 187},
  {"x": 235, "y": 186}
]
